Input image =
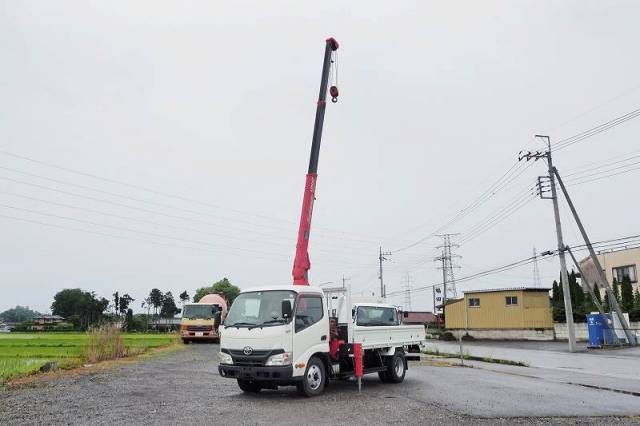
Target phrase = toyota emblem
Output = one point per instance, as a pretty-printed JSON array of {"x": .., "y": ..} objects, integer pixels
[{"x": 248, "y": 350}]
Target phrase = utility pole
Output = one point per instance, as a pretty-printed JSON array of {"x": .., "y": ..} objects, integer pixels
[
  {"x": 344, "y": 280},
  {"x": 631, "y": 338},
  {"x": 561, "y": 246},
  {"x": 407, "y": 292},
  {"x": 382, "y": 258}
]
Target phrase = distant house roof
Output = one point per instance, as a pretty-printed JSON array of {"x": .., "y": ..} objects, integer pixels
[
  {"x": 418, "y": 317},
  {"x": 494, "y": 290},
  {"x": 49, "y": 317}
]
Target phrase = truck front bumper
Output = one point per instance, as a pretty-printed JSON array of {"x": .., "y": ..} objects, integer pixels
[{"x": 279, "y": 374}]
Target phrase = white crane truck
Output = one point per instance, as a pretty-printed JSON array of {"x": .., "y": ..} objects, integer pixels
[{"x": 302, "y": 335}]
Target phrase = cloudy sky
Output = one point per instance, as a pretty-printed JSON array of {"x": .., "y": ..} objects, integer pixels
[{"x": 164, "y": 144}]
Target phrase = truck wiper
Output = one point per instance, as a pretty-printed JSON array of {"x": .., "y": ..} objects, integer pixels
[
  {"x": 239, "y": 323},
  {"x": 273, "y": 321}
]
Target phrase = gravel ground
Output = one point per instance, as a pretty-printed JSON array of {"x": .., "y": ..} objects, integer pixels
[{"x": 183, "y": 387}]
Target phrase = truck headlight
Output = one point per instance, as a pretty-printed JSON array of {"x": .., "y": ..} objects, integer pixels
[
  {"x": 225, "y": 358},
  {"x": 279, "y": 359}
]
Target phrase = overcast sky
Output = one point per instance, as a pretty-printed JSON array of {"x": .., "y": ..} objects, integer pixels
[{"x": 171, "y": 139}]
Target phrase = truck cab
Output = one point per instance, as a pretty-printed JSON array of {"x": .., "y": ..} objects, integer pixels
[
  {"x": 304, "y": 336},
  {"x": 201, "y": 321}
]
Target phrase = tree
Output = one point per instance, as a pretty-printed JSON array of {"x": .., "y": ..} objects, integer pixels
[
  {"x": 626, "y": 295},
  {"x": 577, "y": 293},
  {"x": 125, "y": 301},
  {"x": 596, "y": 291},
  {"x": 116, "y": 303},
  {"x": 184, "y": 297},
  {"x": 155, "y": 299},
  {"x": 616, "y": 290},
  {"x": 169, "y": 308},
  {"x": 223, "y": 287},
  {"x": 555, "y": 294},
  {"x": 82, "y": 308},
  {"x": 128, "y": 320},
  {"x": 634, "y": 314},
  {"x": 146, "y": 303},
  {"x": 18, "y": 314}
]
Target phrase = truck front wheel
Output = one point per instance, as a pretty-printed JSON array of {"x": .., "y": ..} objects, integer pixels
[
  {"x": 314, "y": 379},
  {"x": 396, "y": 369},
  {"x": 248, "y": 386}
]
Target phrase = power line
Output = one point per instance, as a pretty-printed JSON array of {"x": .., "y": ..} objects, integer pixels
[
  {"x": 526, "y": 261},
  {"x": 155, "y": 235},
  {"x": 507, "y": 177},
  {"x": 564, "y": 143},
  {"x": 363, "y": 238}
]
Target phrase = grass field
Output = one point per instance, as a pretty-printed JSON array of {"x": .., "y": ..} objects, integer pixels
[{"x": 25, "y": 353}]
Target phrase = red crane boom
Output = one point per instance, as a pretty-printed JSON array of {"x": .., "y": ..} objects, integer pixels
[{"x": 301, "y": 263}]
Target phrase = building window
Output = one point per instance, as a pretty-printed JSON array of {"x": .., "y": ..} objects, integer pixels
[
  {"x": 621, "y": 272},
  {"x": 474, "y": 302},
  {"x": 511, "y": 300}
]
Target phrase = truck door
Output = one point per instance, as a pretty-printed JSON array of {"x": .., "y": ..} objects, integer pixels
[{"x": 311, "y": 330}]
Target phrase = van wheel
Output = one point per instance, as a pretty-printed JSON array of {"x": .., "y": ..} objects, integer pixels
[
  {"x": 396, "y": 368},
  {"x": 185, "y": 341},
  {"x": 248, "y": 386},
  {"x": 314, "y": 379}
]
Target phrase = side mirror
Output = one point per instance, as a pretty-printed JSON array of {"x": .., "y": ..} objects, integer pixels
[
  {"x": 217, "y": 315},
  {"x": 286, "y": 309}
]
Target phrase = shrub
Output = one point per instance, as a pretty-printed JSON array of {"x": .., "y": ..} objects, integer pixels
[
  {"x": 447, "y": 336},
  {"x": 104, "y": 342}
]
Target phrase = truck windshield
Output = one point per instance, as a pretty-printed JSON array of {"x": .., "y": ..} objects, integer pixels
[
  {"x": 376, "y": 316},
  {"x": 259, "y": 308},
  {"x": 197, "y": 311}
]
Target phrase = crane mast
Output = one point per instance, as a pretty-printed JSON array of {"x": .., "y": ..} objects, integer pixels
[{"x": 301, "y": 263}]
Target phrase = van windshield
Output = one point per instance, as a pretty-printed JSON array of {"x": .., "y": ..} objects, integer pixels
[
  {"x": 198, "y": 311},
  {"x": 376, "y": 316},
  {"x": 259, "y": 309}
]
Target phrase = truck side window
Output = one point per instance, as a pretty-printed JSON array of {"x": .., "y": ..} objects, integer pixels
[
  {"x": 308, "y": 311},
  {"x": 376, "y": 316}
]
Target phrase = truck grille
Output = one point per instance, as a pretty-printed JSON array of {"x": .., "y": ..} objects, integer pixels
[
  {"x": 199, "y": 328},
  {"x": 256, "y": 359}
]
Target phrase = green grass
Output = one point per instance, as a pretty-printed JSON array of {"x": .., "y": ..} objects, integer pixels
[{"x": 25, "y": 353}]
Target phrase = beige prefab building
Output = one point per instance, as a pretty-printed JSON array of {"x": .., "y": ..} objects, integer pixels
[
  {"x": 512, "y": 313},
  {"x": 616, "y": 264}
]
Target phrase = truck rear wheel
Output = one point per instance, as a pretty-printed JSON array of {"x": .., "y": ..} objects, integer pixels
[
  {"x": 396, "y": 369},
  {"x": 314, "y": 379},
  {"x": 248, "y": 386}
]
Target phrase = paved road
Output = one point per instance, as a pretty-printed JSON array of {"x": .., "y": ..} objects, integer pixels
[
  {"x": 611, "y": 364},
  {"x": 183, "y": 387}
]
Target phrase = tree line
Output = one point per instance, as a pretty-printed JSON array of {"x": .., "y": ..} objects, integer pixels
[
  {"x": 582, "y": 303},
  {"x": 84, "y": 309}
]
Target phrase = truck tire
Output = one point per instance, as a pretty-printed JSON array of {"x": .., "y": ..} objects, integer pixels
[
  {"x": 314, "y": 379},
  {"x": 384, "y": 376},
  {"x": 185, "y": 341},
  {"x": 396, "y": 368},
  {"x": 248, "y": 386}
]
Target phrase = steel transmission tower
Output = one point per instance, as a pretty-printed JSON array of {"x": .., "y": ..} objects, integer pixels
[
  {"x": 407, "y": 292},
  {"x": 537, "y": 282},
  {"x": 447, "y": 266}
]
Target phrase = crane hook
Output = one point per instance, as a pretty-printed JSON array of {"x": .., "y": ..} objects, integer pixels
[{"x": 333, "y": 91}]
